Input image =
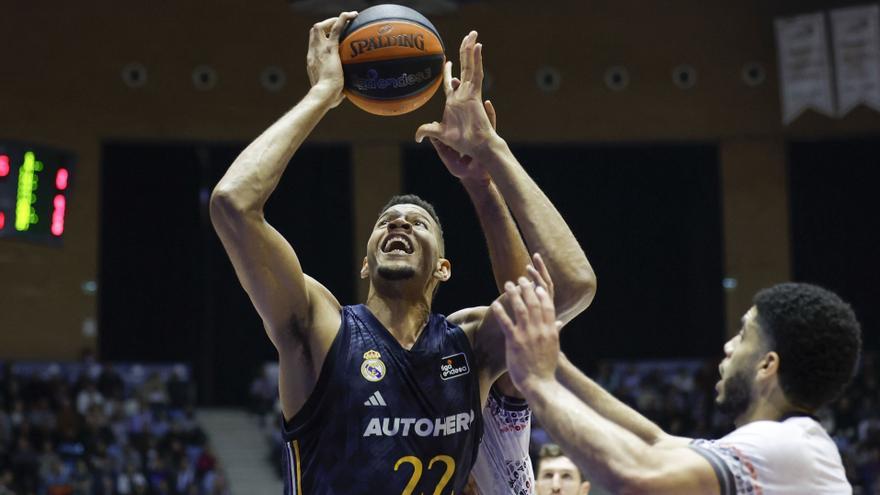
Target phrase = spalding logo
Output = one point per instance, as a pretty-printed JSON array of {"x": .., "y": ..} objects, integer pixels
[
  {"x": 385, "y": 29},
  {"x": 408, "y": 40},
  {"x": 454, "y": 366}
]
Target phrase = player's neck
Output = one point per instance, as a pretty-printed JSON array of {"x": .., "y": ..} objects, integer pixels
[
  {"x": 772, "y": 407},
  {"x": 405, "y": 318}
]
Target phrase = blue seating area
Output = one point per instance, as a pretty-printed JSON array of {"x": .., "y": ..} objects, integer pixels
[{"x": 88, "y": 428}]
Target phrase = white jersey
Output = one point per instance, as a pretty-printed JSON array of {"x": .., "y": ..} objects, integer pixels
[
  {"x": 791, "y": 457},
  {"x": 503, "y": 465}
]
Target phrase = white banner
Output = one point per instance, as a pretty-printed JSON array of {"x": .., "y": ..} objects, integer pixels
[
  {"x": 856, "y": 35},
  {"x": 804, "y": 66}
]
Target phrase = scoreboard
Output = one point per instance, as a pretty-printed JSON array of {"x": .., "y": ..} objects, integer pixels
[{"x": 35, "y": 183}]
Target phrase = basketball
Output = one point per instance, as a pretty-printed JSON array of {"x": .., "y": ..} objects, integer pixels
[{"x": 392, "y": 58}]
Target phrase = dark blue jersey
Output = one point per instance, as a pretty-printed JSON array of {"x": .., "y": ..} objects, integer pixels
[{"x": 383, "y": 420}]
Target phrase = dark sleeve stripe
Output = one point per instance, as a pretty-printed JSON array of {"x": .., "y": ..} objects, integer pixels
[
  {"x": 722, "y": 471},
  {"x": 507, "y": 402}
]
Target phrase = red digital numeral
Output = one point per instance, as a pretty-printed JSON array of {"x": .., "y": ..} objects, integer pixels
[
  {"x": 61, "y": 179},
  {"x": 58, "y": 215}
]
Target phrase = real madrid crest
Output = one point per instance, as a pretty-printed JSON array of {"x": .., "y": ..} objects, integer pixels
[{"x": 373, "y": 368}]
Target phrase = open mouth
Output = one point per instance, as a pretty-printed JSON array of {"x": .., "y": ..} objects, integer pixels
[{"x": 397, "y": 244}]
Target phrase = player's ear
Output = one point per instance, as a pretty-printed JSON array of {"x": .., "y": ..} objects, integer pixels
[
  {"x": 585, "y": 488},
  {"x": 443, "y": 270},
  {"x": 769, "y": 365},
  {"x": 365, "y": 269}
]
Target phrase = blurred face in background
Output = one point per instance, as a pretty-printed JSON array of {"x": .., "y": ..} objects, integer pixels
[{"x": 559, "y": 476}]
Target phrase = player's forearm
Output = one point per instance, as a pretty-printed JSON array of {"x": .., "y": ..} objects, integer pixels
[
  {"x": 605, "y": 404},
  {"x": 613, "y": 456},
  {"x": 543, "y": 229},
  {"x": 255, "y": 173},
  {"x": 507, "y": 252}
]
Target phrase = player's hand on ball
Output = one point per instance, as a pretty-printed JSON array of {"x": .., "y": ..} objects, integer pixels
[
  {"x": 322, "y": 62},
  {"x": 463, "y": 166},
  {"x": 466, "y": 127},
  {"x": 531, "y": 333}
]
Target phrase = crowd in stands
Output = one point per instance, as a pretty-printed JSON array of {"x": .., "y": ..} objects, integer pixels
[{"x": 99, "y": 429}]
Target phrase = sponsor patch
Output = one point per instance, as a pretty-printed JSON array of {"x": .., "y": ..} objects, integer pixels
[
  {"x": 454, "y": 366},
  {"x": 422, "y": 427},
  {"x": 373, "y": 369}
]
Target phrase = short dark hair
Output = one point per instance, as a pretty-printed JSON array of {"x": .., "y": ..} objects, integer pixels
[
  {"x": 412, "y": 199},
  {"x": 552, "y": 451},
  {"x": 817, "y": 337}
]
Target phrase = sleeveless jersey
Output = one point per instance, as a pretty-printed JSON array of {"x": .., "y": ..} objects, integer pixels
[
  {"x": 386, "y": 420},
  {"x": 503, "y": 465}
]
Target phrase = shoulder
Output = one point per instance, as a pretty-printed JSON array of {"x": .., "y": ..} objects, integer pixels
[
  {"x": 769, "y": 453},
  {"x": 768, "y": 441},
  {"x": 789, "y": 437},
  {"x": 468, "y": 319},
  {"x": 468, "y": 315}
]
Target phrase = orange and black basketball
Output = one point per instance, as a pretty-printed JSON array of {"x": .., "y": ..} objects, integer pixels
[{"x": 392, "y": 58}]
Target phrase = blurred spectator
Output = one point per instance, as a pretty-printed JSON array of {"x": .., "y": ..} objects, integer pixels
[
  {"x": 88, "y": 397},
  {"x": 89, "y": 429},
  {"x": 179, "y": 389},
  {"x": 82, "y": 479},
  {"x": 6, "y": 478},
  {"x": 110, "y": 383},
  {"x": 154, "y": 392},
  {"x": 57, "y": 479},
  {"x": 557, "y": 474},
  {"x": 25, "y": 465}
]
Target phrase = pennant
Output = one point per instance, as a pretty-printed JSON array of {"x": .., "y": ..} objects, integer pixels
[
  {"x": 856, "y": 40},
  {"x": 804, "y": 66}
]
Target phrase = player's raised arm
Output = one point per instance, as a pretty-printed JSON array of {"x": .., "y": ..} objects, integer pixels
[
  {"x": 264, "y": 261},
  {"x": 608, "y": 406},
  {"x": 507, "y": 251},
  {"x": 467, "y": 129},
  {"x": 613, "y": 455}
]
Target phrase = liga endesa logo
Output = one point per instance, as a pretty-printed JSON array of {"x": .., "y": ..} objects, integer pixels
[
  {"x": 454, "y": 366},
  {"x": 373, "y": 81}
]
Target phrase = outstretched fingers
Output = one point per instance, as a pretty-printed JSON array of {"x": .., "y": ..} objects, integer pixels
[
  {"x": 462, "y": 56},
  {"x": 537, "y": 270},
  {"x": 466, "y": 54},
  {"x": 448, "y": 80},
  {"x": 527, "y": 289},
  {"x": 548, "y": 311},
  {"x": 477, "y": 67},
  {"x": 490, "y": 112},
  {"x": 517, "y": 304},
  {"x": 507, "y": 325}
]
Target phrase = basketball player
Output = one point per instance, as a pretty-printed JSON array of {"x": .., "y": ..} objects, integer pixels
[
  {"x": 558, "y": 475},
  {"x": 797, "y": 350},
  {"x": 385, "y": 397}
]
